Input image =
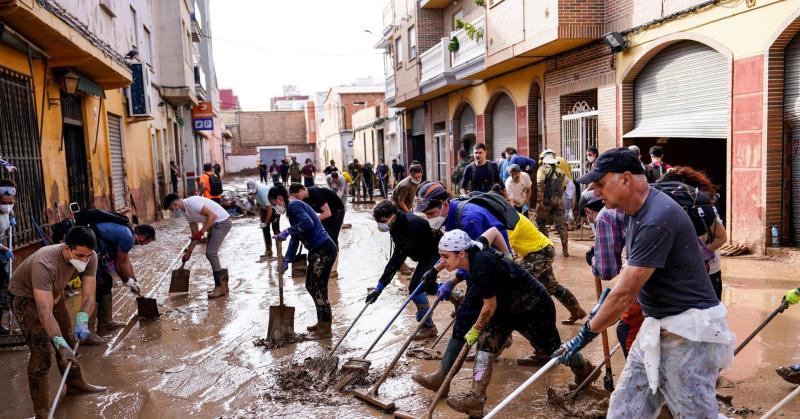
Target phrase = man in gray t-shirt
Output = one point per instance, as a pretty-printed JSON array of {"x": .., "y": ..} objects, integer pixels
[
  {"x": 667, "y": 274},
  {"x": 661, "y": 236}
]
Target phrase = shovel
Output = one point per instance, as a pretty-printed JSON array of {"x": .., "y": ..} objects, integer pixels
[
  {"x": 371, "y": 396},
  {"x": 281, "y": 317},
  {"x": 146, "y": 307},
  {"x": 180, "y": 279},
  {"x": 327, "y": 365},
  {"x": 63, "y": 381},
  {"x": 439, "y": 393},
  {"x": 608, "y": 379},
  {"x": 356, "y": 367}
]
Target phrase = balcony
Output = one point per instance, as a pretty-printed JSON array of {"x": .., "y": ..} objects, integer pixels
[
  {"x": 390, "y": 89},
  {"x": 436, "y": 75},
  {"x": 471, "y": 53},
  {"x": 434, "y": 4},
  {"x": 388, "y": 18}
]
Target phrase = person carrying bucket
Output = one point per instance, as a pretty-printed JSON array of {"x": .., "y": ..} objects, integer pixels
[{"x": 306, "y": 227}]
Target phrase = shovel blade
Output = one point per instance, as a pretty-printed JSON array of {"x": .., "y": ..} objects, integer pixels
[
  {"x": 147, "y": 307},
  {"x": 356, "y": 364},
  {"x": 368, "y": 397},
  {"x": 281, "y": 322},
  {"x": 299, "y": 265},
  {"x": 179, "y": 281},
  {"x": 407, "y": 415}
]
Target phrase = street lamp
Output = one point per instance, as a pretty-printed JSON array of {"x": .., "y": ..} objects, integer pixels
[
  {"x": 616, "y": 41},
  {"x": 70, "y": 82}
]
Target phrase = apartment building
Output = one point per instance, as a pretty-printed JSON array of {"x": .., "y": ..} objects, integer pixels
[{"x": 715, "y": 85}]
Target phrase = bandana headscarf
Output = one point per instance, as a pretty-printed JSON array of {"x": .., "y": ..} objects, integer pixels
[
  {"x": 456, "y": 241},
  {"x": 8, "y": 190}
]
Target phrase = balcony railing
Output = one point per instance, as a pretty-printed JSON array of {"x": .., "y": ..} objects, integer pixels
[
  {"x": 434, "y": 61},
  {"x": 390, "y": 86},
  {"x": 469, "y": 49},
  {"x": 388, "y": 17}
]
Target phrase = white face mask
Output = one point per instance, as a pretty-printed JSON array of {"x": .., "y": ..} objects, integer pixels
[
  {"x": 414, "y": 181},
  {"x": 590, "y": 159},
  {"x": 436, "y": 222},
  {"x": 5, "y": 209},
  {"x": 280, "y": 210},
  {"x": 79, "y": 265}
]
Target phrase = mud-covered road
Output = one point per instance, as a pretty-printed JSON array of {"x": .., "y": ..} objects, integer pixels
[{"x": 199, "y": 358}]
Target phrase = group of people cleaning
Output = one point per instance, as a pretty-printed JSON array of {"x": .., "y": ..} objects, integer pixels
[{"x": 673, "y": 326}]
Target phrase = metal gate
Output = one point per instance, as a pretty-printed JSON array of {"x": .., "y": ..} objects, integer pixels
[
  {"x": 578, "y": 132},
  {"x": 19, "y": 144},
  {"x": 75, "y": 151}
]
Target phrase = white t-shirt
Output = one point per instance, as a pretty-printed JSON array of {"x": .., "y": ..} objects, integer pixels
[
  {"x": 516, "y": 190},
  {"x": 195, "y": 204}
]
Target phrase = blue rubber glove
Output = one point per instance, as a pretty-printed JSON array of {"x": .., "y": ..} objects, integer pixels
[
  {"x": 570, "y": 348},
  {"x": 445, "y": 290},
  {"x": 285, "y": 266},
  {"x": 12, "y": 221},
  {"x": 81, "y": 330},
  {"x": 376, "y": 292},
  {"x": 7, "y": 254},
  {"x": 462, "y": 274},
  {"x": 472, "y": 336},
  {"x": 282, "y": 235}
]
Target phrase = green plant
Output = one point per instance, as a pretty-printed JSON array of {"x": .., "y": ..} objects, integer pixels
[
  {"x": 453, "y": 45},
  {"x": 480, "y": 3},
  {"x": 473, "y": 33}
]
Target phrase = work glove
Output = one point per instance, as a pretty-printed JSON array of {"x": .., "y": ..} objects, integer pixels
[
  {"x": 285, "y": 266},
  {"x": 7, "y": 254},
  {"x": 472, "y": 336},
  {"x": 197, "y": 235},
  {"x": 133, "y": 285},
  {"x": 445, "y": 290},
  {"x": 12, "y": 221},
  {"x": 462, "y": 275},
  {"x": 376, "y": 292},
  {"x": 590, "y": 257},
  {"x": 262, "y": 225},
  {"x": 282, "y": 235},
  {"x": 66, "y": 352},
  {"x": 793, "y": 296},
  {"x": 430, "y": 275},
  {"x": 81, "y": 330},
  {"x": 570, "y": 348}
]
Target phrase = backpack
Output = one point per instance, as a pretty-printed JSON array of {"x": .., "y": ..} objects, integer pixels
[
  {"x": 214, "y": 185},
  {"x": 494, "y": 172},
  {"x": 553, "y": 186},
  {"x": 698, "y": 204},
  {"x": 90, "y": 217},
  {"x": 654, "y": 173},
  {"x": 496, "y": 204}
]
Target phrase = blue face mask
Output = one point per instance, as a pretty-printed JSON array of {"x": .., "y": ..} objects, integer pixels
[
  {"x": 178, "y": 213},
  {"x": 383, "y": 227}
]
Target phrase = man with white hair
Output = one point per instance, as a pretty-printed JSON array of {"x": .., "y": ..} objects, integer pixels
[
  {"x": 512, "y": 301},
  {"x": 684, "y": 341}
]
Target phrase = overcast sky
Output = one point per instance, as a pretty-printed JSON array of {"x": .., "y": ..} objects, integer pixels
[{"x": 261, "y": 45}]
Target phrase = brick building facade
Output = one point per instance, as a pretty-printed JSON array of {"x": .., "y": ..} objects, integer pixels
[{"x": 261, "y": 134}]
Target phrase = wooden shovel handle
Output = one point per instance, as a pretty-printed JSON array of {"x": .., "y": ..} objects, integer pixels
[
  {"x": 279, "y": 246},
  {"x": 462, "y": 356}
]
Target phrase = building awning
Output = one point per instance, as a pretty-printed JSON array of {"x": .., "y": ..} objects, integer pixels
[{"x": 90, "y": 88}]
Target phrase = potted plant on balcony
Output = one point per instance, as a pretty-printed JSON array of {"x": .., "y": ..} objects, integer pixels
[
  {"x": 453, "y": 45},
  {"x": 480, "y": 3},
  {"x": 473, "y": 33}
]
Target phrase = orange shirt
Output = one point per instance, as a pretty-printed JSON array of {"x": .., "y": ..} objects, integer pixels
[{"x": 207, "y": 186}]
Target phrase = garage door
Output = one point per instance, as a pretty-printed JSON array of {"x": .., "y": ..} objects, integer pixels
[
  {"x": 117, "y": 160},
  {"x": 504, "y": 127},
  {"x": 683, "y": 92},
  {"x": 791, "y": 107},
  {"x": 466, "y": 123}
]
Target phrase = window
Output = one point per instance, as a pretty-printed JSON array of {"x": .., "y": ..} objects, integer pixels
[
  {"x": 412, "y": 42},
  {"x": 135, "y": 22},
  {"x": 459, "y": 15},
  {"x": 398, "y": 52},
  {"x": 148, "y": 47}
]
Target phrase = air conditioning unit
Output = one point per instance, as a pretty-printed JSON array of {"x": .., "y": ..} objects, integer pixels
[{"x": 139, "y": 91}]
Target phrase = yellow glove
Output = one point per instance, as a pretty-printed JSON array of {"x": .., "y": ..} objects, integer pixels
[
  {"x": 793, "y": 296},
  {"x": 472, "y": 336},
  {"x": 75, "y": 283}
]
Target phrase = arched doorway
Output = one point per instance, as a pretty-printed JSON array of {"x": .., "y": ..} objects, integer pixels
[
  {"x": 501, "y": 125},
  {"x": 466, "y": 129}
]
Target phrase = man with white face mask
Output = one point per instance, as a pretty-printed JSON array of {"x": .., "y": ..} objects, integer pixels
[
  {"x": 405, "y": 191},
  {"x": 37, "y": 289},
  {"x": 413, "y": 238},
  {"x": 8, "y": 193}
]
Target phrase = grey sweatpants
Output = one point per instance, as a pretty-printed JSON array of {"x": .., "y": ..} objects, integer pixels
[
  {"x": 687, "y": 377},
  {"x": 216, "y": 235}
]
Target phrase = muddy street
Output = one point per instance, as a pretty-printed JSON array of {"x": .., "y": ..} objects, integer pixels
[{"x": 200, "y": 358}]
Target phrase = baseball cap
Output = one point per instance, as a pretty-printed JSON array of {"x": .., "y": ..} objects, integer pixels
[
  {"x": 616, "y": 160},
  {"x": 591, "y": 201},
  {"x": 428, "y": 193}
]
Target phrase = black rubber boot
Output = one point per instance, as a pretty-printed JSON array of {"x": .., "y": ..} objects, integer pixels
[{"x": 434, "y": 381}]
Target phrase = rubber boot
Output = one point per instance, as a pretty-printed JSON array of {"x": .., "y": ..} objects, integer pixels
[
  {"x": 223, "y": 277},
  {"x": 564, "y": 242},
  {"x": 472, "y": 401},
  {"x": 105, "y": 315},
  {"x": 581, "y": 367},
  {"x": 322, "y": 331},
  {"x": 428, "y": 329},
  {"x": 41, "y": 400},
  {"x": 434, "y": 381},
  {"x": 219, "y": 289},
  {"x": 313, "y": 327},
  {"x": 93, "y": 339},
  {"x": 538, "y": 359},
  {"x": 568, "y": 300},
  {"x": 335, "y": 271}
]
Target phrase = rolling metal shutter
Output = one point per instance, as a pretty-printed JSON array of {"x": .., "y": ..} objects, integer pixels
[
  {"x": 418, "y": 121},
  {"x": 117, "y": 160},
  {"x": 466, "y": 123},
  {"x": 504, "y": 127},
  {"x": 683, "y": 92},
  {"x": 791, "y": 111}
]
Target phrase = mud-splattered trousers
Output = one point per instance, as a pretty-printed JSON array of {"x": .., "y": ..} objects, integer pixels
[
  {"x": 540, "y": 265},
  {"x": 216, "y": 235},
  {"x": 552, "y": 213},
  {"x": 688, "y": 373},
  {"x": 320, "y": 262},
  {"x": 41, "y": 348}
]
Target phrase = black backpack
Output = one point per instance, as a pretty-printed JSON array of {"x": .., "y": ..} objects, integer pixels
[
  {"x": 496, "y": 204},
  {"x": 553, "y": 184},
  {"x": 214, "y": 185},
  {"x": 698, "y": 204}
]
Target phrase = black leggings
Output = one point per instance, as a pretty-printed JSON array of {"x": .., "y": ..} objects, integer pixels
[
  {"x": 320, "y": 263},
  {"x": 537, "y": 325}
]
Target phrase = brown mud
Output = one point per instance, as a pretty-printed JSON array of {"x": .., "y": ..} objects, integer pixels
[
  {"x": 424, "y": 352},
  {"x": 590, "y": 403},
  {"x": 269, "y": 344},
  {"x": 199, "y": 359}
]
